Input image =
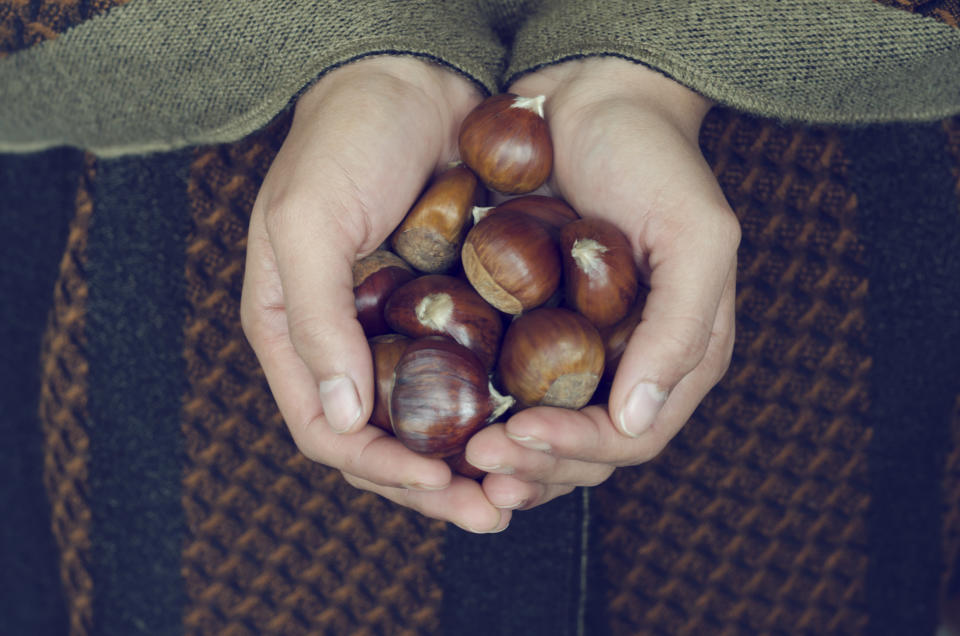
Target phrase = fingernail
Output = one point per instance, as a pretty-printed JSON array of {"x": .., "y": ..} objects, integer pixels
[
  {"x": 530, "y": 442},
  {"x": 641, "y": 408},
  {"x": 502, "y": 524},
  {"x": 495, "y": 468},
  {"x": 514, "y": 505},
  {"x": 416, "y": 485},
  {"x": 341, "y": 405}
]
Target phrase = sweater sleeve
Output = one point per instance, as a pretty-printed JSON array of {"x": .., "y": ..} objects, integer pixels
[
  {"x": 854, "y": 61},
  {"x": 156, "y": 75}
]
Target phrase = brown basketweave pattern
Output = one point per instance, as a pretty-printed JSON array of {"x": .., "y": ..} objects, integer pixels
[
  {"x": 63, "y": 414},
  {"x": 24, "y": 23},
  {"x": 752, "y": 520},
  {"x": 946, "y": 11},
  {"x": 276, "y": 544}
]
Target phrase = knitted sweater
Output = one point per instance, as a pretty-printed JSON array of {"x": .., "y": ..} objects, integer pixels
[{"x": 149, "y": 485}]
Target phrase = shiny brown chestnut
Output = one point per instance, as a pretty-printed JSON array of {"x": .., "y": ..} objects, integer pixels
[
  {"x": 551, "y": 357},
  {"x": 512, "y": 261},
  {"x": 375, "y": 277},
  {"x": 431, "y": 234},
  {"x": 600, "y": 274},
  {"x": 441, "y": 396},
  {"x": 554, "y": 212},
  {"x": 386, "y": 350},
  {"x": 506, "y": 141},
  {"x": 437, "y": 304}
]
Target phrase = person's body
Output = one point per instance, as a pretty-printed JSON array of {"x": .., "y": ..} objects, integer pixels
[{"x": 368, "y": 134}]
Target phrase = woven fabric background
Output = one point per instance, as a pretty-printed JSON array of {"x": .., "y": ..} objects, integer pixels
[
  {"x": 277, "y": 545},
  {"x": 724, "y": 528},
  {"x": 24, "y": 23},
  {"x": 720, "y": 530},
  {"x": 63, "y": 413},
  {"x": 947, "y": 11}
]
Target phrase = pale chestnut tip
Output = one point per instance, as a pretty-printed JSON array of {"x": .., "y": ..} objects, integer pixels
[
  {"x": 587, "y": 254},
  {"x": 480, "y": 211},
  {"x": 501, "y": 403},
  {"x": 534, "y": 104},
  {"x": 434, "y": 311}
]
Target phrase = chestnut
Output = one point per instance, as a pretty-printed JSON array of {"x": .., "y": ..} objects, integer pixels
[
  {"x": 437, "y": 304},
  {"x": 600, "y": 274},
  {"x": 512, "y": 261},
  {"x": 441, "y": 396},
  {"x": 375, "y": 277},
  {"x": 616, "y": 336},
  {"x": 551, "y": 357},
  {"x": 505, "y": 140},
  {"x": 386, "y": 350},
  {"x": 430, "y": 235},
  {"x": 554, "y": 212}
]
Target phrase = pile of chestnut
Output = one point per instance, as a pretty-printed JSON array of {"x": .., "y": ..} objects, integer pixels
[{"x": 472, "y": 311}]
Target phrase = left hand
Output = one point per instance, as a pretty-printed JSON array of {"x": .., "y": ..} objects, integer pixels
[{"x": 626, "y": 149}]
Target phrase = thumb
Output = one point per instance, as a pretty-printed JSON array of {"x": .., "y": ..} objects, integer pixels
[
  {"x": 689, "y": 274},
  {"x": 315, "y": 245}
]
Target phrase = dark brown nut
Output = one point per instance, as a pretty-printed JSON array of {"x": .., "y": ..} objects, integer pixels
[
  {"x": 441, "y": 397},
  {"x": 551, "y": 357},
  {"x": 431, "y": 234},
  {"x": 375, "y": 277},
  {"x": 506, "y": 141},
  {"x": 437, "y": 304},
  {"x": 512, "y": 261},
  {"x": 554, "y": 212},
  {"x": 386, "y": 350},
  {"x": 616, "y": 336},
  {"x": 600, "y": 274}
]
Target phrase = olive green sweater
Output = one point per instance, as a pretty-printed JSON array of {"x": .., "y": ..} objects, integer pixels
[{"x": 162, "y": 74}]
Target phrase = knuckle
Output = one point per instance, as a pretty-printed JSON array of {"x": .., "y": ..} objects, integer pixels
[
  {"x": 308, "y": 332},
  {"x": 729, "y": 231},
  {"x": 686, "y": 343}
]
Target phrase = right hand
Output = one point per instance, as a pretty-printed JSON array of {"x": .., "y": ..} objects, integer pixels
[{"x": 363, "y": 142}]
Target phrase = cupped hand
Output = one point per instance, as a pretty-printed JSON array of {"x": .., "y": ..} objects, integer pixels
[
  {"x": 626, "y": 149},
  {"x": 362, "y": 143}
]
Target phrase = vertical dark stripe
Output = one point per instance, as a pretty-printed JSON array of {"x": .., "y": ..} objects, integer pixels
[
  {"x": 910, "y": 221},
  {"x": 525, "y": 580},
  {"x": 36, "y": 203},
  {"x": 136, "y": 255}
]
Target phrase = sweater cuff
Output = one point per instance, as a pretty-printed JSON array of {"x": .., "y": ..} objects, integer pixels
[
  {"x": 157, "y": 75},
  {"x": 806, "y": 60}
]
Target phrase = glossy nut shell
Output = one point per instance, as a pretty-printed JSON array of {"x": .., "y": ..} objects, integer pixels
[
  {"x": 431, "y": 234},
  {"x": 512, "y": 262},
  {"x": 551, "y": 357},
  {"x": 441, "y": 396},
  {"x": 505, "y": 140},
  {"x": 437, "y": 304},
  {"x": 600, "y": 274}
]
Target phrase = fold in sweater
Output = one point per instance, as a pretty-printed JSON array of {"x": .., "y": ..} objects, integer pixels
[{"x": 156, "y": 75}]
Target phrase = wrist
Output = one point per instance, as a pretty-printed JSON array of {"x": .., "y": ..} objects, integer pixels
[{"x": 598, "y": 78}]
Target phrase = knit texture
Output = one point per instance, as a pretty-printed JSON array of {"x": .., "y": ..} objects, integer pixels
[
  {"x": 276, "y": 544},
  {"x": 837, "y": 62},
  {"x": 752, "y": 520},
  {"x": 226, "y": 68},
  {"x": 64, "y": 415},
  {"x": 23, "y": 24}
]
